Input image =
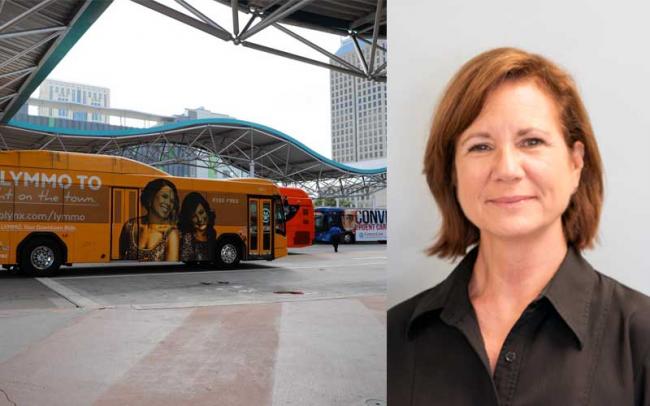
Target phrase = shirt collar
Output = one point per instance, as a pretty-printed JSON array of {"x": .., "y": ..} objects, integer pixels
[
  {"x": 569, "y": 291},
  {"x": 450, "y": 296}
]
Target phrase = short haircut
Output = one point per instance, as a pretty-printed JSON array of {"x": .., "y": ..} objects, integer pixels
[{"x": 460, "y": 105}]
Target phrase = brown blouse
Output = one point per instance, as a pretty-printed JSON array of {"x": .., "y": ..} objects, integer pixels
[{"x": 584, "y": 341}]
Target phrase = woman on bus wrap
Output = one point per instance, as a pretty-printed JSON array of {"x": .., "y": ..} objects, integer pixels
[
  {"x": 514, "y": 167},
  {"x": 197, "y": 229},
  {"x": 154, "y": 236}
]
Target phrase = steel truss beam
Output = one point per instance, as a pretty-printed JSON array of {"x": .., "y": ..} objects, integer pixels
[
  {"x": 5, "y": 146},
  {"x": 24, "y": 14},
  {"x": 28, "y": 50},
  {"x": 24, "y": 33},
  {"x": 232, "y": 148},
  {"x": 7, "y": 97},
  {"x": 344, "y": 186},
  {"x": 202, "y": 22}
]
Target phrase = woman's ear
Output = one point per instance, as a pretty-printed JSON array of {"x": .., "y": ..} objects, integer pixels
[{"x": 577, "y": 154}]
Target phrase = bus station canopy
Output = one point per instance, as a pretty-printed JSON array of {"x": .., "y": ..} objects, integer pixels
[
  {"x": 334, "y": 16},
  {"x": 245, "y": 145},
  {"x": 34, "y": 36}
]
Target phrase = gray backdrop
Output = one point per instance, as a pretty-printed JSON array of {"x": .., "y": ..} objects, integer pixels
[{"x": 604, "y": 45}]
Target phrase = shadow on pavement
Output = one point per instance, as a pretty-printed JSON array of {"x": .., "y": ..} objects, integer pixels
[{"x": 135, "y": 268}]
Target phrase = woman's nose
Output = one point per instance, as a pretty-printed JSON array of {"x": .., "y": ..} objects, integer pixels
[{"x": 507, "y": 166}]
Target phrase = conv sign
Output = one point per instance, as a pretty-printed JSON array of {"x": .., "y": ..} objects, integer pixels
[{"x": 371, "y": 225}]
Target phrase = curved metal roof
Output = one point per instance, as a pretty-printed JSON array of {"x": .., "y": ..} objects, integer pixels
[
  {"x": 334, "y": 16},
  {"x": 276, "y": 155},
  {"x": 362, "y": 20},
  {"x": 34, "y": 36}
]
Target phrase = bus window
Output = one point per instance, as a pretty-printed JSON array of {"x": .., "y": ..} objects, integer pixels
[
  {"x": 319, "y": 222},
  {"x": 266, "y": 225},
  {"x": 280, "y": 221},
  {"x": 253, "y": 225},
  {"x": 290, "y": 210},
  {"x": 333, "y": 220}
]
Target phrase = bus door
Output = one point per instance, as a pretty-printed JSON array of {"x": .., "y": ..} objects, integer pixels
[
  {"x": 125, "y": 207},
  {"x": 260, "y": 227}
]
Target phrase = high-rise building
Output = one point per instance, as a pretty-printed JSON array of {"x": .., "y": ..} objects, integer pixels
[
  {"x": 83, "y": 101},
  {"x": 359, "y": 117},
  {"x": 358, "y": 109},
  {"x": 87, "y": 107},
  {"x": 199, "y": 113}
]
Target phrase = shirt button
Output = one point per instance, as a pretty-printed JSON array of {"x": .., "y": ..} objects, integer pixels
[{"x": 510, "y": 356}]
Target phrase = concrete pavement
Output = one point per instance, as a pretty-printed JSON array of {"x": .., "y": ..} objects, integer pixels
[{"x": 170, "y": 336}]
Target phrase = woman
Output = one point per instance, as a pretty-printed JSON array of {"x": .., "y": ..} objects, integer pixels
[
  {"x": 154, "y": 236},
  {"x": 197, "y": 229},
  {"x": 513, "y": 165}
]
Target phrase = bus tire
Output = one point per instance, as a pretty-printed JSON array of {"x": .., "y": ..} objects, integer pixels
[
  {"x": 228, "y": 253},
  {"x": 41, "y": 256},
  {"x": 348, "y": 238}
]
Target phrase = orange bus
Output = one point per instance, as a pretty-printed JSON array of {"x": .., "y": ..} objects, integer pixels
[
  {"x": 299, "y": 215},
  {"x": 62, "y": 208}
]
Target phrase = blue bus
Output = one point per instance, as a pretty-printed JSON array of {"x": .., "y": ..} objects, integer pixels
[{"x": 357, "y": 224}]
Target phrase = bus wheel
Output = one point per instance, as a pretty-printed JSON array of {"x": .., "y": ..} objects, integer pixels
[
  {"x": 41, "y": 257},
  {"x": 348, "y": 238},
  {"x": 228, "y": 253}
]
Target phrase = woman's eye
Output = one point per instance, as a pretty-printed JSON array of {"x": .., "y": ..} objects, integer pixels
[
  {"x": 533, "y": 142},
  {"x": 479, "y": 148}
]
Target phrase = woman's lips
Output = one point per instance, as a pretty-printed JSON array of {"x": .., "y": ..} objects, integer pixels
[{"x": 509, "y": 200}]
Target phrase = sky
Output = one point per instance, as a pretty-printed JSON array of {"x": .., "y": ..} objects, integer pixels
[{"x": 152, "y": 63}]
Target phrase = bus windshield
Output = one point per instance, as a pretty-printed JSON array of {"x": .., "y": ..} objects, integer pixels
[
  {"x": 280, "y": 223},
  {"x": 319, "y": 222},
  {"x": 290, "y": 211}
]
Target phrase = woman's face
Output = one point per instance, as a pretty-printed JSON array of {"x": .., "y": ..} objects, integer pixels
[
  {"x": 200, "y": 218},
  {"x": 163, "y": 202},
  {"x": 514, "y": 172}
]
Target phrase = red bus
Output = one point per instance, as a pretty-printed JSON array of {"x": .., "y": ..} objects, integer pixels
[{"x": 299, "y": 217}]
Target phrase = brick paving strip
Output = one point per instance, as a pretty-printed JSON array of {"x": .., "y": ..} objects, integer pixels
[{"x": 323, "y": 352}]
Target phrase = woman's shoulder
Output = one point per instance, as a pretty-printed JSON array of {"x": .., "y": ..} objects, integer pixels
[
  {"x": 632, "y": 309},
  {"x": 428, "y": 300},
  {"x": 625, "y": 298},
  {"x": 435, "y": 298},
  {"x": 132, "y": 222}
]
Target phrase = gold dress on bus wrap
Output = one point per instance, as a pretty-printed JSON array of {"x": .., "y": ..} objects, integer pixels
[{"x": 129, "y": 244}]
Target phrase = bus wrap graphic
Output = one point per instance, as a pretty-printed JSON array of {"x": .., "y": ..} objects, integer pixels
[
  {"x": 83, "y": 208},
  {"x": 371, "y": 225},
  {"x": 357, "y": 224},
  {"x": 52, "y": 197}
]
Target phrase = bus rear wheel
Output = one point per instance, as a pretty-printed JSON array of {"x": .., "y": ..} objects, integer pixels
[
  {"x": 41, "y": 257},
  {"x": 228, "y": 253}
]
